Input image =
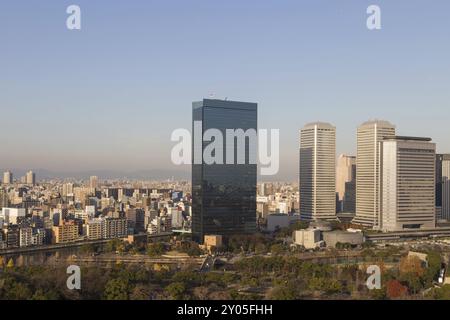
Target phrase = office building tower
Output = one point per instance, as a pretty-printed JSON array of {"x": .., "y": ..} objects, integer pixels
[
  {"x": 224, "y": 195},
  {"x": 67, "y": 189},
  {"x": 439, "y": 182},
  {"x": 345, "y": 183},
  {"x": 30, "y": 178},
  {"x": 93, "y": 182},
  {"x": 408, "y": 184},
  {"x": 7, "y": 177},
  {"x": 444, "y": 192},
  {"x": 4, "y": 199},
  {"x": 318, "y": 171},
  {"x": 369, "y": 138}
]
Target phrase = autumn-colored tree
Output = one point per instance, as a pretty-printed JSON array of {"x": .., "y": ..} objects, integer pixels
[
  {"x": 412, "y": 265},
  {"x": 10, "y": 264},
  {"x": 395, "y": 290}
]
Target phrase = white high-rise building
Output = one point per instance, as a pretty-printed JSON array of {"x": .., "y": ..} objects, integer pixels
[
  {"x": 93, "y": 182},
  {"x": 318, "y": 171},
  {"x": 30, "y": 178},
  {"x": 7, "y": 177},
  {"x": 445, "y": 213},
  {"x": 67, "y": 189},
  {"x": 408, "y": 184},
  {"x": 368, "y": 195}
]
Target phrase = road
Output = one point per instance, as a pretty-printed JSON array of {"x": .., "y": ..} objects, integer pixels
[
  {"x": 135, "y": 259},
  {"x": 207, "y": 264}
]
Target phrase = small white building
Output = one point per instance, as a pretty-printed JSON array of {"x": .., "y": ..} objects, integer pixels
[
  {"x": 25, "y": 237},
  {"x": 177, "y": 219},
  {"x": 308, "y": 238},
  {"x": 38, "y": 237},
  {"x": 283, "y": 207},
  {"x": 95, "y": 229},
  {"x": 90, "y": 211},
  {"x": 11, "y": 215}
]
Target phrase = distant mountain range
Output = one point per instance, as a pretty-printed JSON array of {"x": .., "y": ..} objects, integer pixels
[{"x": 155, "y": 174}]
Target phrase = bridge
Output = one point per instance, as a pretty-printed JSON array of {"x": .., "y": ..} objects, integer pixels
[
  {"x": 137, "y": 259},
  {"x": 408, "y": 234},
  {"x": 80, "y": 243}
]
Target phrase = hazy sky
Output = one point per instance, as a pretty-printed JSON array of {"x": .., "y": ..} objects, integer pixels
[{"x": 109, "y": 96}]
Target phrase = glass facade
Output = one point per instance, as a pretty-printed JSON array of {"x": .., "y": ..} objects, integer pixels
[{"x": 224, "y": 195}]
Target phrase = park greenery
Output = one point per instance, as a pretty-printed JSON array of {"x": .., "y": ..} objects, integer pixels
[{"x": 262, "y": 267}]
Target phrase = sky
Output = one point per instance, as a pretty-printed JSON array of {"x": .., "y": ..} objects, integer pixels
[{"x": 108, "y": 96}]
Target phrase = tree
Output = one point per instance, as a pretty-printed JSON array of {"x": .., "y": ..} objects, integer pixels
[
  {"x": 201, "y": 293},
  {"x": 192, "y": 249},
  {"x": 260, "y": 248},
  {"x": 115, "y": 245},
  {"x": 155, "y": 249},
  {"x": 395, "y": 290},
  {"x": 413, "y": 281},
  {"x": 10, "y": 264},
  {"x": 117, "y": 289},
  {"x": 176, "y": 290},
  {"x": 442, "y": 293},
  {"x": 87, "y": 248},
  {"x": 284, "y": 292},
  {"x": 41, "y": 294},
  {"x": 330, "y": 286},
  {"x": 434, "y": 266},
  {"x": 378, "y": 294},
  {"x": 140, "y": 292},
  {"x": 19, "y": 291},
  {"x": 300, "y": 225},
  {"x": 411, "y": 265},
  {"x": 189, "y": 278},
  {"x": 277, "y": 249}
]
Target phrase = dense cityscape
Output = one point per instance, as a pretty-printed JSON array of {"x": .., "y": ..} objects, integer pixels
[
  {"x": 213, "y": 159},
  {"x": 225, "y": 236}
]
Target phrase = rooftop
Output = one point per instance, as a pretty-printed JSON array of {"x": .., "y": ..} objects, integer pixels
[
  {"x": 320, "y": 125},
  {"x": 404, "y": 138},
  {"x": 380, "y": 123},
  {"x": 227, "y": 104}
]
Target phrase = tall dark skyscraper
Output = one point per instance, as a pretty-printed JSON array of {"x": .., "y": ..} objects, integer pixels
[{"x": 224, "y": 195}]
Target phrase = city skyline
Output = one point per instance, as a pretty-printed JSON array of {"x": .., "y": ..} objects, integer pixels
[
  {"x": 121, "y": 118},
  {"x": 241, "y": 154},
  {"x": 181, "y": 172}
]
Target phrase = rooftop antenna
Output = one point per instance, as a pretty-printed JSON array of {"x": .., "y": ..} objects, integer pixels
[{"x": 212, "y": 95}]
